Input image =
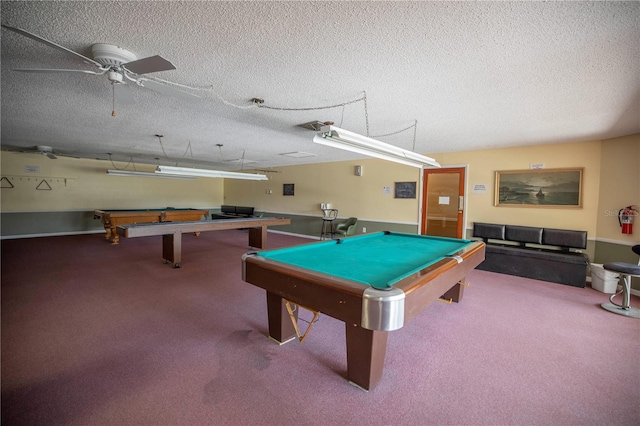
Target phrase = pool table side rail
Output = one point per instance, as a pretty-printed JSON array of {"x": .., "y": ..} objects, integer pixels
[
  {"x": 333, "y": 296},
  {"x": 112, "y": 219},
  {"x": 442, "y": 277},
  {"x": 107, "y": 215},
  {"x": 164, "y": 228},
  {"x": 342, "y": 299}
]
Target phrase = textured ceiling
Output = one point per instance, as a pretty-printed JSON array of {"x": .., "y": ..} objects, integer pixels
[{"x": 473, "y": 75}]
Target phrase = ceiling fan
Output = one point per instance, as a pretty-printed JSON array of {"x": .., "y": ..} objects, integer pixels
[
  {"x": 120, "y": 66},
  {"x": 45, "y": 150}
]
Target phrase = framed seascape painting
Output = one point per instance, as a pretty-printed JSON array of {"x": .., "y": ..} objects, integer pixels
[{"x": 561, "y": 188}]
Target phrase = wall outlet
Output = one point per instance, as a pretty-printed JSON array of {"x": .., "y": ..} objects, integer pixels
[{"x": 364, "y": 230}]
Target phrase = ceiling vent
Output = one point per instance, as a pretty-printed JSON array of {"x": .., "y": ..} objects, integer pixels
[{"x": 298, "y": 154}]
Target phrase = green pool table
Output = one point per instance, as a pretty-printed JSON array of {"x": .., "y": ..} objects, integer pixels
[{"x": 375, "y": 283}]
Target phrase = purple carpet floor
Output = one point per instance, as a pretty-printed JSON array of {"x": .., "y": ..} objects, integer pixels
[{"x": 95, "y": 334}]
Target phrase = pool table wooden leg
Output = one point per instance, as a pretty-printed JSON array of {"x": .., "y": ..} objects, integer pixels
[
  {"x": 258, "y": 237},
  {"x": 115, "y": 238},
  {"x": 455, "y": 293},
  {"x": 366, "y": 350},
  {"x": 172, "y": 248},
  {"x": 280, "y": 326}
]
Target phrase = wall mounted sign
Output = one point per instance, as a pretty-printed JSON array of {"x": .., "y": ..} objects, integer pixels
[
  {"x": 479, "y": 188},
  {"x": 288, "y": 189},
  {"x": 405, "y": 190}
]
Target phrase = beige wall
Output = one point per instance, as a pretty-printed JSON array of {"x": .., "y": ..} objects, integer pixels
[
  {"x": 619, "y": 187},
  {"x": 84, "y": 185},
  {"x": 484, "y": 164},
  {"x": 334, "y": 183},
  {"x": 611, "y": 180}
]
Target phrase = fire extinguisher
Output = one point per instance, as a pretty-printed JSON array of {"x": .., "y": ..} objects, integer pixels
[{"x": 625, "y": 218}]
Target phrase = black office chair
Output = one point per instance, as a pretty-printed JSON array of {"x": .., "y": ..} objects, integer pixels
[
  {"x": 626, "y": 271},
  {"x": 346, "y": 228}
]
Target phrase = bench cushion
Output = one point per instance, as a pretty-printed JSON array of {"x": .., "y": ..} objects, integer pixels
[
  {"x": 512, "y": 252},
  {"x": 550, "y": 255},
  {"x": 556, "y": 267}
]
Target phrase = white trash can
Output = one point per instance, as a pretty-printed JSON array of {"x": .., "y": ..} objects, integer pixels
[{"x": 603, "y": 280}]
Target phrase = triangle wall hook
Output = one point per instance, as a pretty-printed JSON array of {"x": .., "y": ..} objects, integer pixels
[
  {"x": 5, "y": 183},
  {"x": 43, "y": 186}
]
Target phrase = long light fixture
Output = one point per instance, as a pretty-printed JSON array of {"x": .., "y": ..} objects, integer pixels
[
  {"x": 146, "y": 174},
  {"x": 186, "y": 171},
  {"x": 343, "y": 139}
]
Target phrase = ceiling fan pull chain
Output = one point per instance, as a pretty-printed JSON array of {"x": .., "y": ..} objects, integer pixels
[{"x": 113, "y": 100}]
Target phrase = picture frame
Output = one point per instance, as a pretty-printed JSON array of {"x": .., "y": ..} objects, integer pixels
[
  {"x": 288, "y": 189},
  {"x": 405, "y": 190},
  {"x": 539, "y": 188}
]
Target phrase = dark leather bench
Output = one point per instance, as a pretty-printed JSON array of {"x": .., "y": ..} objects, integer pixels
[
  {"x": 544, "y": 254},
  {"x": 233, "y": 212}
]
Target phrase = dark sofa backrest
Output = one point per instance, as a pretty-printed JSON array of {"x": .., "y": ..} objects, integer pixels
[
  {"x": 248, "y": 211},
  {"x": 523, "y": 234},
  {"x": 228, "y": 209},
  {"x": 488, "y": 231},
  {"x": 564, "y": 238}
]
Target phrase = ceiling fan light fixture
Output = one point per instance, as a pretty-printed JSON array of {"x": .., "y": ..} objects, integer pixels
[
  {"x": 114, "y": 76},
  {"x": 110, "y": 55},
  {"x": 47, "y": 151}
]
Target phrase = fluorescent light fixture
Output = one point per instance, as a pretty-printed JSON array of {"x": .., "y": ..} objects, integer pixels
[
  {"x": 146, "y": 174},
  {"x": 349, "y": 141},
  {"x": 186, "y": 171}
]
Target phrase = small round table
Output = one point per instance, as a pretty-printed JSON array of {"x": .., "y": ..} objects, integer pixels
[{"x": 626, "y": 271}]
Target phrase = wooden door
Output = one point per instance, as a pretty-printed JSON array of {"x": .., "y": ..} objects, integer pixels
[{"x": 443, "y": 202}]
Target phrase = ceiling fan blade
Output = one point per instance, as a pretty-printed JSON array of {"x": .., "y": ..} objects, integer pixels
[
  {"x": 148, "y": 65},
  {"x": 51, "y": 44},
  {"x": 122, "y": 93},
  {"x": 43, "y": 70},
  {"x": 49, "y": 155},
  {"x": 168, "y": 90}
]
